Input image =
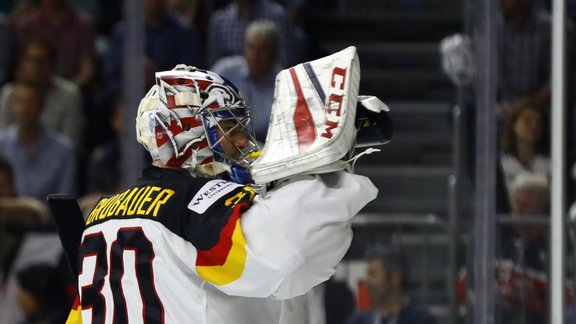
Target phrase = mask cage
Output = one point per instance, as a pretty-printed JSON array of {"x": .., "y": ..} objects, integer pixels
[{"x": 239, "y": 114}]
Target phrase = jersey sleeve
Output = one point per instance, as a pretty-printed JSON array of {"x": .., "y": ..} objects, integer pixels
[
  {"x": 213, "y": 227},
  {"x": 292, "y": 238}
]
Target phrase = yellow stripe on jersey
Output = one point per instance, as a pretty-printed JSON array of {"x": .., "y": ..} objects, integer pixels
[
  {"x": 233, "y": 267},
  {"x": 75, "y": 316}
]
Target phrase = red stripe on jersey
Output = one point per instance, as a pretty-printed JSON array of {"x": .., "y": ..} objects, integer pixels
[
  {"x": 76, "y": 303},
  {"x": 218, "y": 254},
  {"x": 75, "y": 315},
  {"x": 303, "y": 120}
]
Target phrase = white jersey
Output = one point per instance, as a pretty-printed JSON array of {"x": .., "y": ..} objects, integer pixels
[{"x": 177, "y": 249}]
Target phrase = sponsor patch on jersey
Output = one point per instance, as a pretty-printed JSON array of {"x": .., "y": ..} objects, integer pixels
[{"x": 210, "y": 193}]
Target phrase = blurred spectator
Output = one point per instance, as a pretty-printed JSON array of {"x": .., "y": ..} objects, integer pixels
[
  {"x": 37, "y": 247},
  {"x": 189, "y": 10},
  {"x": 386, "y": 278},
  {"x": 524, "y": 40},
  {"x": 530, "y": 195},
  {"x": 523, "y": 53},
  {"x": 7, "y": 189},
  {"x": 15, "y": 214},
  {"x": 71, "y": 29},
  {"x": 103, "y": 13},
  {"x": 42, "y": 295},
  {"x": 5, "y": 49},
  {"x": 294, "y": 8},
  {"x": 196, "y": 12},
  {"x": 14, "y": 209},
  {"x": 297, "y": 15},
  {"x": 103, "y": 171},
  {"x": 522, "y": 287},
  {"x": 522, "y": 256},
  {"x": 104, "y": 163},
  {"x": 63, "y": 110},
  {"x": 525, "y": 143},
  {"x": 43, "y": 160},
  {"x": 227, "y": 27},
  {"x": 169, "y": 40},
  {"x": 255, "y": 72}
]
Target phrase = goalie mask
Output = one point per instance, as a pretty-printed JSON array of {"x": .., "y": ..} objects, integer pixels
[{"x": 195, "y": 120}]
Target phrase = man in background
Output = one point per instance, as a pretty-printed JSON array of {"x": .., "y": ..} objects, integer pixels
[
  {"x": 254, "y": 72},
  {"x": 43, "y": 160},
  {"x": 386, "y": 277}
]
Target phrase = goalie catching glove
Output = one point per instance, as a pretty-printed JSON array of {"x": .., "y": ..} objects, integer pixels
[{"x": 313, "y": 122}]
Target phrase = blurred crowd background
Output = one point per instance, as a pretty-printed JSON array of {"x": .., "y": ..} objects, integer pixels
[{"x": 62, "y": 115}]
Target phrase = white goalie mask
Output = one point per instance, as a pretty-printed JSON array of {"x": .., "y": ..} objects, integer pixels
[{"x": 179, "y": 123}]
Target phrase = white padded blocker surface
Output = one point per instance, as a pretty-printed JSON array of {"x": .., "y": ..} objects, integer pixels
[{"x": 281, "y": 156}]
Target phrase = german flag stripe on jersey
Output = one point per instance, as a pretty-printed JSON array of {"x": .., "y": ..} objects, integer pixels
[
  {"x": 220, "y": 242},
  {"x": 225, "y": 262},
  {"x": 75, "y": 316},
  {"x": 217, "y": 255}
]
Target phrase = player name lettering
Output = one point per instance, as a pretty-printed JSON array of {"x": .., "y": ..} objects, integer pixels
[
  {"x": 334, "y": 105},
  {"x": 144, "y": 201}
]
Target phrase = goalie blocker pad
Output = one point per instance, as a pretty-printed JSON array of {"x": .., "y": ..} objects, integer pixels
[{"x": 312, "y": 122}]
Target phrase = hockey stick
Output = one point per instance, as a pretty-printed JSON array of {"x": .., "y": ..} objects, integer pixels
[{"x": 70, "y": 224}]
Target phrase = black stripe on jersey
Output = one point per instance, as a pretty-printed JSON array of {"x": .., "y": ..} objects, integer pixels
[{"x": 202, "y": 230}]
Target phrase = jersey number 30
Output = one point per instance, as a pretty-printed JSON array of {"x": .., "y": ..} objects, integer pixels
[{"x": 131, "y": 277}]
